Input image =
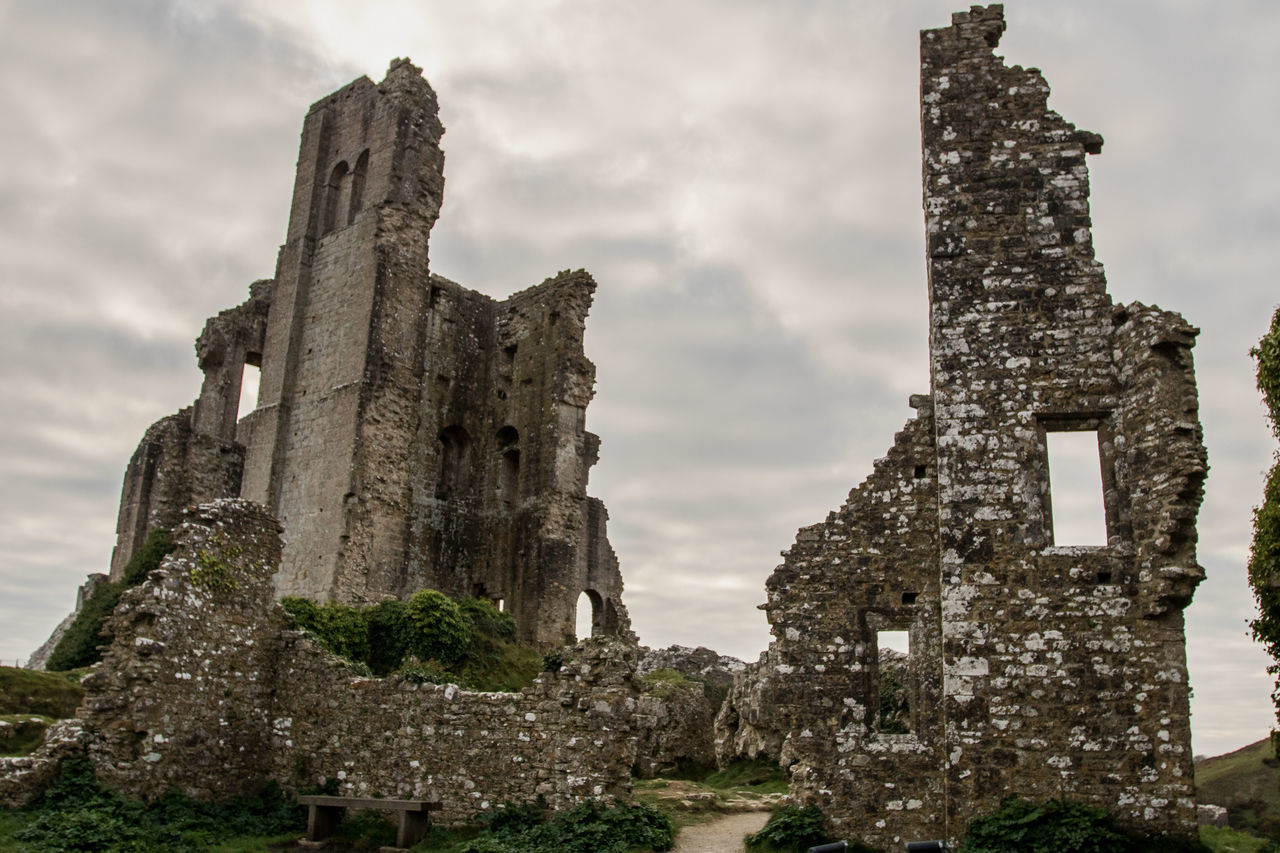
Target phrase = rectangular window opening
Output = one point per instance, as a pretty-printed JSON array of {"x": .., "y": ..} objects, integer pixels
[
  {"x": 1075, "y": 488},
  {"x": 248, "y": 389},
  {"x": 893, "y": 650}
]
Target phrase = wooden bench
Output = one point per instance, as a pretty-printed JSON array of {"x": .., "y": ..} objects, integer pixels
[{"x": 325, "y": 812}]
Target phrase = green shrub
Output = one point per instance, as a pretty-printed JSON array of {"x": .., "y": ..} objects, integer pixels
[
  {"x": 429, "y": 638},
  {"x": 586, "y": 828},
  {"x": 158, "y": 545},
  {"x": 440, "y": 631},
  {"x": 790, "y": 828},
  {"x": 77, "y": 814},
  {"x": 487, "y": 620},
  {"x": 79, "y": 645},
  {"x": 1058, "y": 826},
  {"x": 424, "y": 672},
  {"x": 390, "y": 633}
]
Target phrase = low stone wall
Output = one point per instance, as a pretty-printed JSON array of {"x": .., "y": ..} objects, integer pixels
[{"x": 204, "y": 689}]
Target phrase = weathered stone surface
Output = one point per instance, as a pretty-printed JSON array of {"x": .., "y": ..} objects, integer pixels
[
  {"x": 1035, "y": 668},
  {"x": 205, "y": 690},
  {"x": 410, "y": 433}
]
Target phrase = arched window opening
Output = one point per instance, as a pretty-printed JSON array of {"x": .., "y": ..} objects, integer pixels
[
  {"x": 455, "y": 448},
  {"x": 585, "y": 620},
  {"x": 337, "y": 197},
  {"x": 356, "y": 203}
]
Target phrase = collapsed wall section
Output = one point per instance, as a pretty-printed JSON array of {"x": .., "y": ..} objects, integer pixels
[{"x": 1037, "y": 665}]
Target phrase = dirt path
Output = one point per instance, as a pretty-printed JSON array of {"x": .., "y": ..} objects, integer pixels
[{"x": 723, "y": 835}]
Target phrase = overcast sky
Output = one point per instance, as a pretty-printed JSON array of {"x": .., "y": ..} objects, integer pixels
[{"x": 741, "y": 177}]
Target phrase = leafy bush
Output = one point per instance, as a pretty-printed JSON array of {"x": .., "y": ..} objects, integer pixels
[
  {"x": 77, "y": 814},
  {"x": 429, "y": 638},
  {"x": 586, "y": 828},
  {"x": 389, "y": 635},
  {"x": 157, "y": 546},
  {"x": 440, "y": 631},
  {"x": 487, "y": 620},
  {"x": 1058, "y": 826},
  {"x": 790, "y": 828}
]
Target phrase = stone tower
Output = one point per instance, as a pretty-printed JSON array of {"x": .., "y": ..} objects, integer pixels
[
  {"x": 1036, "y": 666},
  {"x": 409, "y": 433}
]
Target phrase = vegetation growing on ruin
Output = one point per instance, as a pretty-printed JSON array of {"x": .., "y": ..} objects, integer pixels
[
  {"x": 665, "y": 683},
  {"x": 1264, "y": 560},
  {"x": 79, "y": 646},
  {"x": 429, "y": 638}
]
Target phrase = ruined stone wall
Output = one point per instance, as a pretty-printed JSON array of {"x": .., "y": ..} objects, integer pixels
[
  {"x": 409, "y": 432},
  {"x": 205, "y": 690},
  {"x": 1037, "y": 666}
]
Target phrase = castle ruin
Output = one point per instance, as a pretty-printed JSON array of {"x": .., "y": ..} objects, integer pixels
[
  {"x": 409, "y": 433},
  {"x": 1036, "y": 666}
]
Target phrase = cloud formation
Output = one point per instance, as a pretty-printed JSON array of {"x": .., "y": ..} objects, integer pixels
[{"x": 742, "y": 178}]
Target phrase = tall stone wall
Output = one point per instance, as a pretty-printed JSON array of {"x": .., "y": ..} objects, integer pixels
[
  {"x": 204, "y": 689},
  {"x": 1036, "y": 666},
  {"x": 409, "y": 432}
]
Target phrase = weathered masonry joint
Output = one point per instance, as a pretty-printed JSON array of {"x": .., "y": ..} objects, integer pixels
[
  {"x": 1036, "y": 665},
  {"x": 409, "y": 432}
]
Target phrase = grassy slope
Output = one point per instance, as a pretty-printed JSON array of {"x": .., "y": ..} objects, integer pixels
[
  {"x": 50, "y": 694},
  {"x": 1247, "y": 783}
]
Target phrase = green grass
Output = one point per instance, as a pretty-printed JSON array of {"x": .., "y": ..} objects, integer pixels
[
  {"x": 752, "y": 776},
  {"x": 49, "y": 694},
  {"x": 1222, "y": 839},
  {"x": 1245, "y": 782}
]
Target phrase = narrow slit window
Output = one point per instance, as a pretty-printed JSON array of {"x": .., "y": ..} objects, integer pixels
[
  {"x": 1075, "y": 488},
  {"x": 248, "y": 390},
  {"x": 893, "y": 685}
]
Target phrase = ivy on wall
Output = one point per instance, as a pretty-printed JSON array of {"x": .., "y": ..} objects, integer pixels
[{"x": 1264, "y": 559}]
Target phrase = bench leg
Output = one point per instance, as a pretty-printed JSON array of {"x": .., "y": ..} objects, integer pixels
[
  {"x": 413, "y": 825},
  {"x": 322, "y": 821}
]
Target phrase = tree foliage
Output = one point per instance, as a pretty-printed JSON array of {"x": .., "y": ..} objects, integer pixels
[{"x": 1264, "y": 559}]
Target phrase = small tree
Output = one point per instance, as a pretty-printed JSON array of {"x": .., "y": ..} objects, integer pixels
[{"x": 1264, "y": 559}]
